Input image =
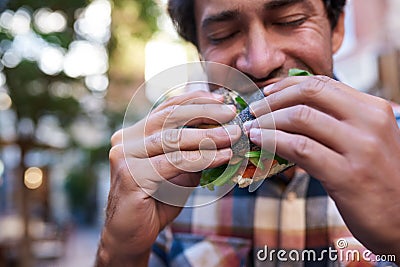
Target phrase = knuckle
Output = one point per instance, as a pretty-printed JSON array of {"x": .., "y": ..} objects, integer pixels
[
  {"x": 272, "y": 100},
  {"x": 157, "y": 163},
  {"x": 371, "y": 145},
  {"x": 116, "y": 138},
  {"x": 301, "y": 116},
  {"x": 207, "y": 156},
  {"x": 212, "y": 133},
  {"x": 118, "y": 164},
  {"x": 171, "y": 101},
  {"x": 168, "y": 111},
  {"x": 359, "y": 168},
  {"x": 367, "y": 155},
  {"x": 314, "y": 86},
  {"x": 191, "y": 156},
  {"x": 116, "y": 153},
  {"x": 177, "y": 157},
  {"x": 154, "y": 140},
  {"x": 171, "y": 138},
  {"x": 385, "y": 106},
  {"x": 302, "y": 146},
  {"x": 169, "y": 116},
  {"x": 383, "y": 114},
  {"x": 209, "y": 139}
]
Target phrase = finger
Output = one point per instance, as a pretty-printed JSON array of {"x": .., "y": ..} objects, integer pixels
[
  {"x": 195, "y": 97},
  {"x": 167, "y": 166},
  {"x": 284, "y": 83},
  {"x": 317, "y": 159},
  {"x": 185, "y": 139},
  {"x": 188, "y": 115},
  {"x": 319, "y": 92},
  {"x": 308, "y": 122},
  {"x": 294, "y": 80}
]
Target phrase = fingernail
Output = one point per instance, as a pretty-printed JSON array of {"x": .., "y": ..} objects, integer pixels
[
  {"x": 217, "y": 96},
  {"x": 247, "y": 125},
  {"x": 267, "y": 89},
  {"x": 230, "y": 107},
  {"x": 226, "y": 152},
  {"x": 255, "y": 135},
  {"x": 233, "y": 129}
]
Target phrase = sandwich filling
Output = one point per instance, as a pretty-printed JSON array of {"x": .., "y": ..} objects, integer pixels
[{"x": 250, "y": 163}]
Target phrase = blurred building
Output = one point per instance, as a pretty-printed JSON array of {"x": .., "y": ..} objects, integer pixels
[{"x": 369, "y": 59}]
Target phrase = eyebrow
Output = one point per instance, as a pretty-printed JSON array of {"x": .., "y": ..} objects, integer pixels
[
  {"x": 276, "y": 4},
  {"x": 230, "y": 15}
]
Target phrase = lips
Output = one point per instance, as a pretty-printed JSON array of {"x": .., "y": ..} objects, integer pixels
[
  {"x": 262, "y": 84},
  {"x": 274, "y": 76}
]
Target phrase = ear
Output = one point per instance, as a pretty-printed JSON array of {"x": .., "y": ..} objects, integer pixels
[{"x": 338, "y": 34}]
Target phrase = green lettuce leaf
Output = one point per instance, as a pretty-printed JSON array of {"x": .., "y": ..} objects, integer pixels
[{"x": 299, "y": 72}]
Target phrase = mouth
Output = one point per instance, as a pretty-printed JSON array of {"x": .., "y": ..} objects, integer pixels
[
  {"x": 261, "y": 83},
  {"x": 276, "y": 75},
  {"x": 273, "y": 77}
]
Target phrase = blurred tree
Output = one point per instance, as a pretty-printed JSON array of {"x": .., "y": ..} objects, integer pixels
[{"x": 57, "y": 59}]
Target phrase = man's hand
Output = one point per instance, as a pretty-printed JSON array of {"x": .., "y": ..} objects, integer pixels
[
  {"x": 349, "y": 141},
  {"x": 149, "y": 153}
]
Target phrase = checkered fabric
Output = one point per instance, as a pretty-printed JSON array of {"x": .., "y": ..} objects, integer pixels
[{"x": 297, "y": 219}]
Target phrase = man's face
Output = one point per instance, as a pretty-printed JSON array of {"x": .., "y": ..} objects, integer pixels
[{"x": 265, "y": 38}]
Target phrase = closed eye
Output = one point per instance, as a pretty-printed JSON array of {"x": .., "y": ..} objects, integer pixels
[
  {"x": 290, "y": 23},
  {"x": 219, "y": 40}
]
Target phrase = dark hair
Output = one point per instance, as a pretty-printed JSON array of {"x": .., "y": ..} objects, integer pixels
[{"x": 182, "y": 15}]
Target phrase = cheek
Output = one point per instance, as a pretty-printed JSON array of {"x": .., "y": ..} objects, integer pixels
[
  {"x": 316, "y": 52},
  {"x": 226, "y": 54},
  {"x": 217, "y": 55}
]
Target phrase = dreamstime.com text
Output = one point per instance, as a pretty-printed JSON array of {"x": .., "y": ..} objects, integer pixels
[{"x": 331, "y": 254}]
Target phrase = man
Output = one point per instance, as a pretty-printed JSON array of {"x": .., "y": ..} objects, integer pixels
[{"x": 347, "y": 141}]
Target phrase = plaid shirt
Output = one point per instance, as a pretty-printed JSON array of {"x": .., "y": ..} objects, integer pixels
[{"x": 296, "y": 218}]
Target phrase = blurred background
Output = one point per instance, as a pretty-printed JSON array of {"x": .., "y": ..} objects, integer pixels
[{"x": 67, "y": 72}]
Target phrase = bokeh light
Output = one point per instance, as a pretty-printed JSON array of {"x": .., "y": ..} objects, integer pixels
[
  {"x": 2, "y": 79},
  {"x": 94, "y": 23},
  {"x": 51, "y": 60},
  {"x": 21, "y": 22},
  {"x": 33, "y": 178},
  {"x": 11, "y": 59},
  {"x": 85, "y": 58},
  {"x": 48, "y": 21},
  {"x": 97, "y": 83},
  {"x": 5, "y": 101}
]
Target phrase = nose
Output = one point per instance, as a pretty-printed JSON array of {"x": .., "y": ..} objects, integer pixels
[{"x": 260, "y": 54}]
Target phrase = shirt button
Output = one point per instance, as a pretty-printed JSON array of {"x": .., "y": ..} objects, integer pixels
[{"x": 291, "y": 196}]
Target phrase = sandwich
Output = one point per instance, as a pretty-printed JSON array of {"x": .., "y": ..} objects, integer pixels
[{"x": 249, "y": 163}]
